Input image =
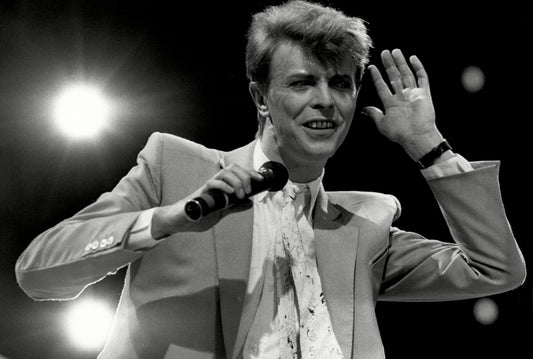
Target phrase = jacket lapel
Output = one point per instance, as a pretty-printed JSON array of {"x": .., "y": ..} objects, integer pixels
[
  {"x": 233, "y": 243},
  {"x": 336, "y": 248}
]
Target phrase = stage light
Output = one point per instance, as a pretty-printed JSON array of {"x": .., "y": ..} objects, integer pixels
[
  {"x": 473, "y": 79},
  {"x": 81, "y": 111},
  {"x": 485, "y": 311},
  {"x": 88, "y": 323}
]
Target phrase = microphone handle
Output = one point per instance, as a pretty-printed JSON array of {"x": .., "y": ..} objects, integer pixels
[
  {"x": 215, "y": 199},
  {"x": 274, "y": 174},
  {"x": 211, "y": 201}
]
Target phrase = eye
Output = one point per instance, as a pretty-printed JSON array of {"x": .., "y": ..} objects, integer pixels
[
  {"x": 342, "y": 84},
  {"x": 301, "y": 84}
]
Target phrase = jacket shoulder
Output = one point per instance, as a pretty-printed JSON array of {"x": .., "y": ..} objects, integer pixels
[
  {"x": 373, "y": 206},
  {"x": 176, "y": 147}
]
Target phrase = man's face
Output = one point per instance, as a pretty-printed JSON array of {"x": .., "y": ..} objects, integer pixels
[{"x": 311, "y": 106}]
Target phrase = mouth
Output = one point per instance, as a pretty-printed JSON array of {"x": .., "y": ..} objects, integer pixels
[{"x": 320, "y": 124}]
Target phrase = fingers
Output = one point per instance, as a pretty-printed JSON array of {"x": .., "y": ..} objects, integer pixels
[
  {"x": 379, "y": 83},
  {"x": 399, "y": 72},
  {"x": 393, "y": 73},
  {"x": 421, "y": 74},
  {"x": 234, "y": 179},
  {"x": 374, "y": 113},
  {"x": 408, "y": 78}
]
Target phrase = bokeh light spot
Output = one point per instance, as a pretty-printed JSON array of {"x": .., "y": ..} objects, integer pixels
[
  {"x": 485, "y": 311},
  {"x": 473, "y": 79},
  {"x": 88, "y": 324}
]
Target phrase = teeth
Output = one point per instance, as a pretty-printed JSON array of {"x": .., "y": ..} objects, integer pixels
[{"x": 321, "y": 124}]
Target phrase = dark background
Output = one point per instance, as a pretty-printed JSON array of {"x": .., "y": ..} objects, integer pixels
[{"x": 180, "y": 69}]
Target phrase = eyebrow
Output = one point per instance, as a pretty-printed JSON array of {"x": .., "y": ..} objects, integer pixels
[
  {"x": 342, "y": 76},
  {"x": 301, "y": 75},
  {"x": 305, "y": 75}
]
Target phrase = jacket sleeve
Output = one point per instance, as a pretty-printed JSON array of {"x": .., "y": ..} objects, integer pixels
[
  {"x": 483, "y": 260},
  {"x": 62, "y": 261}
]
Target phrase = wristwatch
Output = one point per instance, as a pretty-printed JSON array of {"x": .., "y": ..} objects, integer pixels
[{"x": 429, "y": 158}]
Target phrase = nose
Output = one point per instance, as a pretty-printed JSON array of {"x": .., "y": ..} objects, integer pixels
[{"x": 322, "y": 98}]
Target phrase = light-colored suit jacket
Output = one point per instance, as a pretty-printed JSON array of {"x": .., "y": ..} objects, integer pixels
[{"x": 186, "y": 297}]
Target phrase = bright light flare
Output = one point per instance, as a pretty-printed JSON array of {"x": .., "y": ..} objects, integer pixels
[
  {"x": 88, "y": 323},
  {"x": 81, "y": 111}
]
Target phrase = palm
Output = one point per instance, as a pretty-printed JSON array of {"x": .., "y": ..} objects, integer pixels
[
  {"x": 407, "y": 113},
  {"x": 408, "y": 116}
]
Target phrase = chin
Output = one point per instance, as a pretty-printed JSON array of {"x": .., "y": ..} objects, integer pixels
[
  {"x": 321, "y": 153},
  {"x": 325, "y": 148}
]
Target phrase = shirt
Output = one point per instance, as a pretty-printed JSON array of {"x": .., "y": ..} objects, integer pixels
[{"x": 263, "y": 340}]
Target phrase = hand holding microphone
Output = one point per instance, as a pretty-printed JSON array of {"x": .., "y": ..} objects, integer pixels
[{"x": 274, "y": 174}]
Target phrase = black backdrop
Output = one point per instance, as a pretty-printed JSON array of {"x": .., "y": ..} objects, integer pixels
[{"x": 179, "y": 68}]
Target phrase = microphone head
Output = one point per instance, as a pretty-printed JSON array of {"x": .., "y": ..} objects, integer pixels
[{"x": 275, "y": 174}]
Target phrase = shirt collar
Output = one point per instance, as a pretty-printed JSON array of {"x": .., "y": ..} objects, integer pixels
[{"x": 259, "y": 157}]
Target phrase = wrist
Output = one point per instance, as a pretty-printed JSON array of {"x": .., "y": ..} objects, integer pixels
[
  {"x": 418, "y": 146},
  {"x": 439, "y": 153},
  {"x": 164, "y": 221}
]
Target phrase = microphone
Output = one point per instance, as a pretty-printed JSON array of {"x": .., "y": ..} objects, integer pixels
[{"x": 275, "y": 176}]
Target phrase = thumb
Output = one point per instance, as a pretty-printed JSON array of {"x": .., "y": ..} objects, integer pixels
[{"x": 374, "y": 113}]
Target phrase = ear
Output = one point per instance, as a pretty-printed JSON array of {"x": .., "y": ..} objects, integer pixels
[{"x": 259, "y": 99}]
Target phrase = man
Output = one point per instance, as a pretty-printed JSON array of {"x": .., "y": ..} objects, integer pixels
[{"x": 282, "y": 274}]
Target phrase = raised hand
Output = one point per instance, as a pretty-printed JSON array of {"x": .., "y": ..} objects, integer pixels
[{"x": 408, "y": 115}]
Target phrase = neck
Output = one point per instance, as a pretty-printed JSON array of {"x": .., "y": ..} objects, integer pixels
[
  {"x": 303, "y": 174},
  {"x": 300, "y": 171}
]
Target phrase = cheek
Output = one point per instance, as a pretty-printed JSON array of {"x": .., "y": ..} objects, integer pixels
[
  {"x": 285, "y": 110},
  {"x": 289, "y": 103},
  {"x": 292, "y": 107},
  {"x": 346, "y": 106}
]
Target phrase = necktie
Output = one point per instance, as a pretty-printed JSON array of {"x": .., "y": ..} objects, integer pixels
[{"x": 303, "y": 320}]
